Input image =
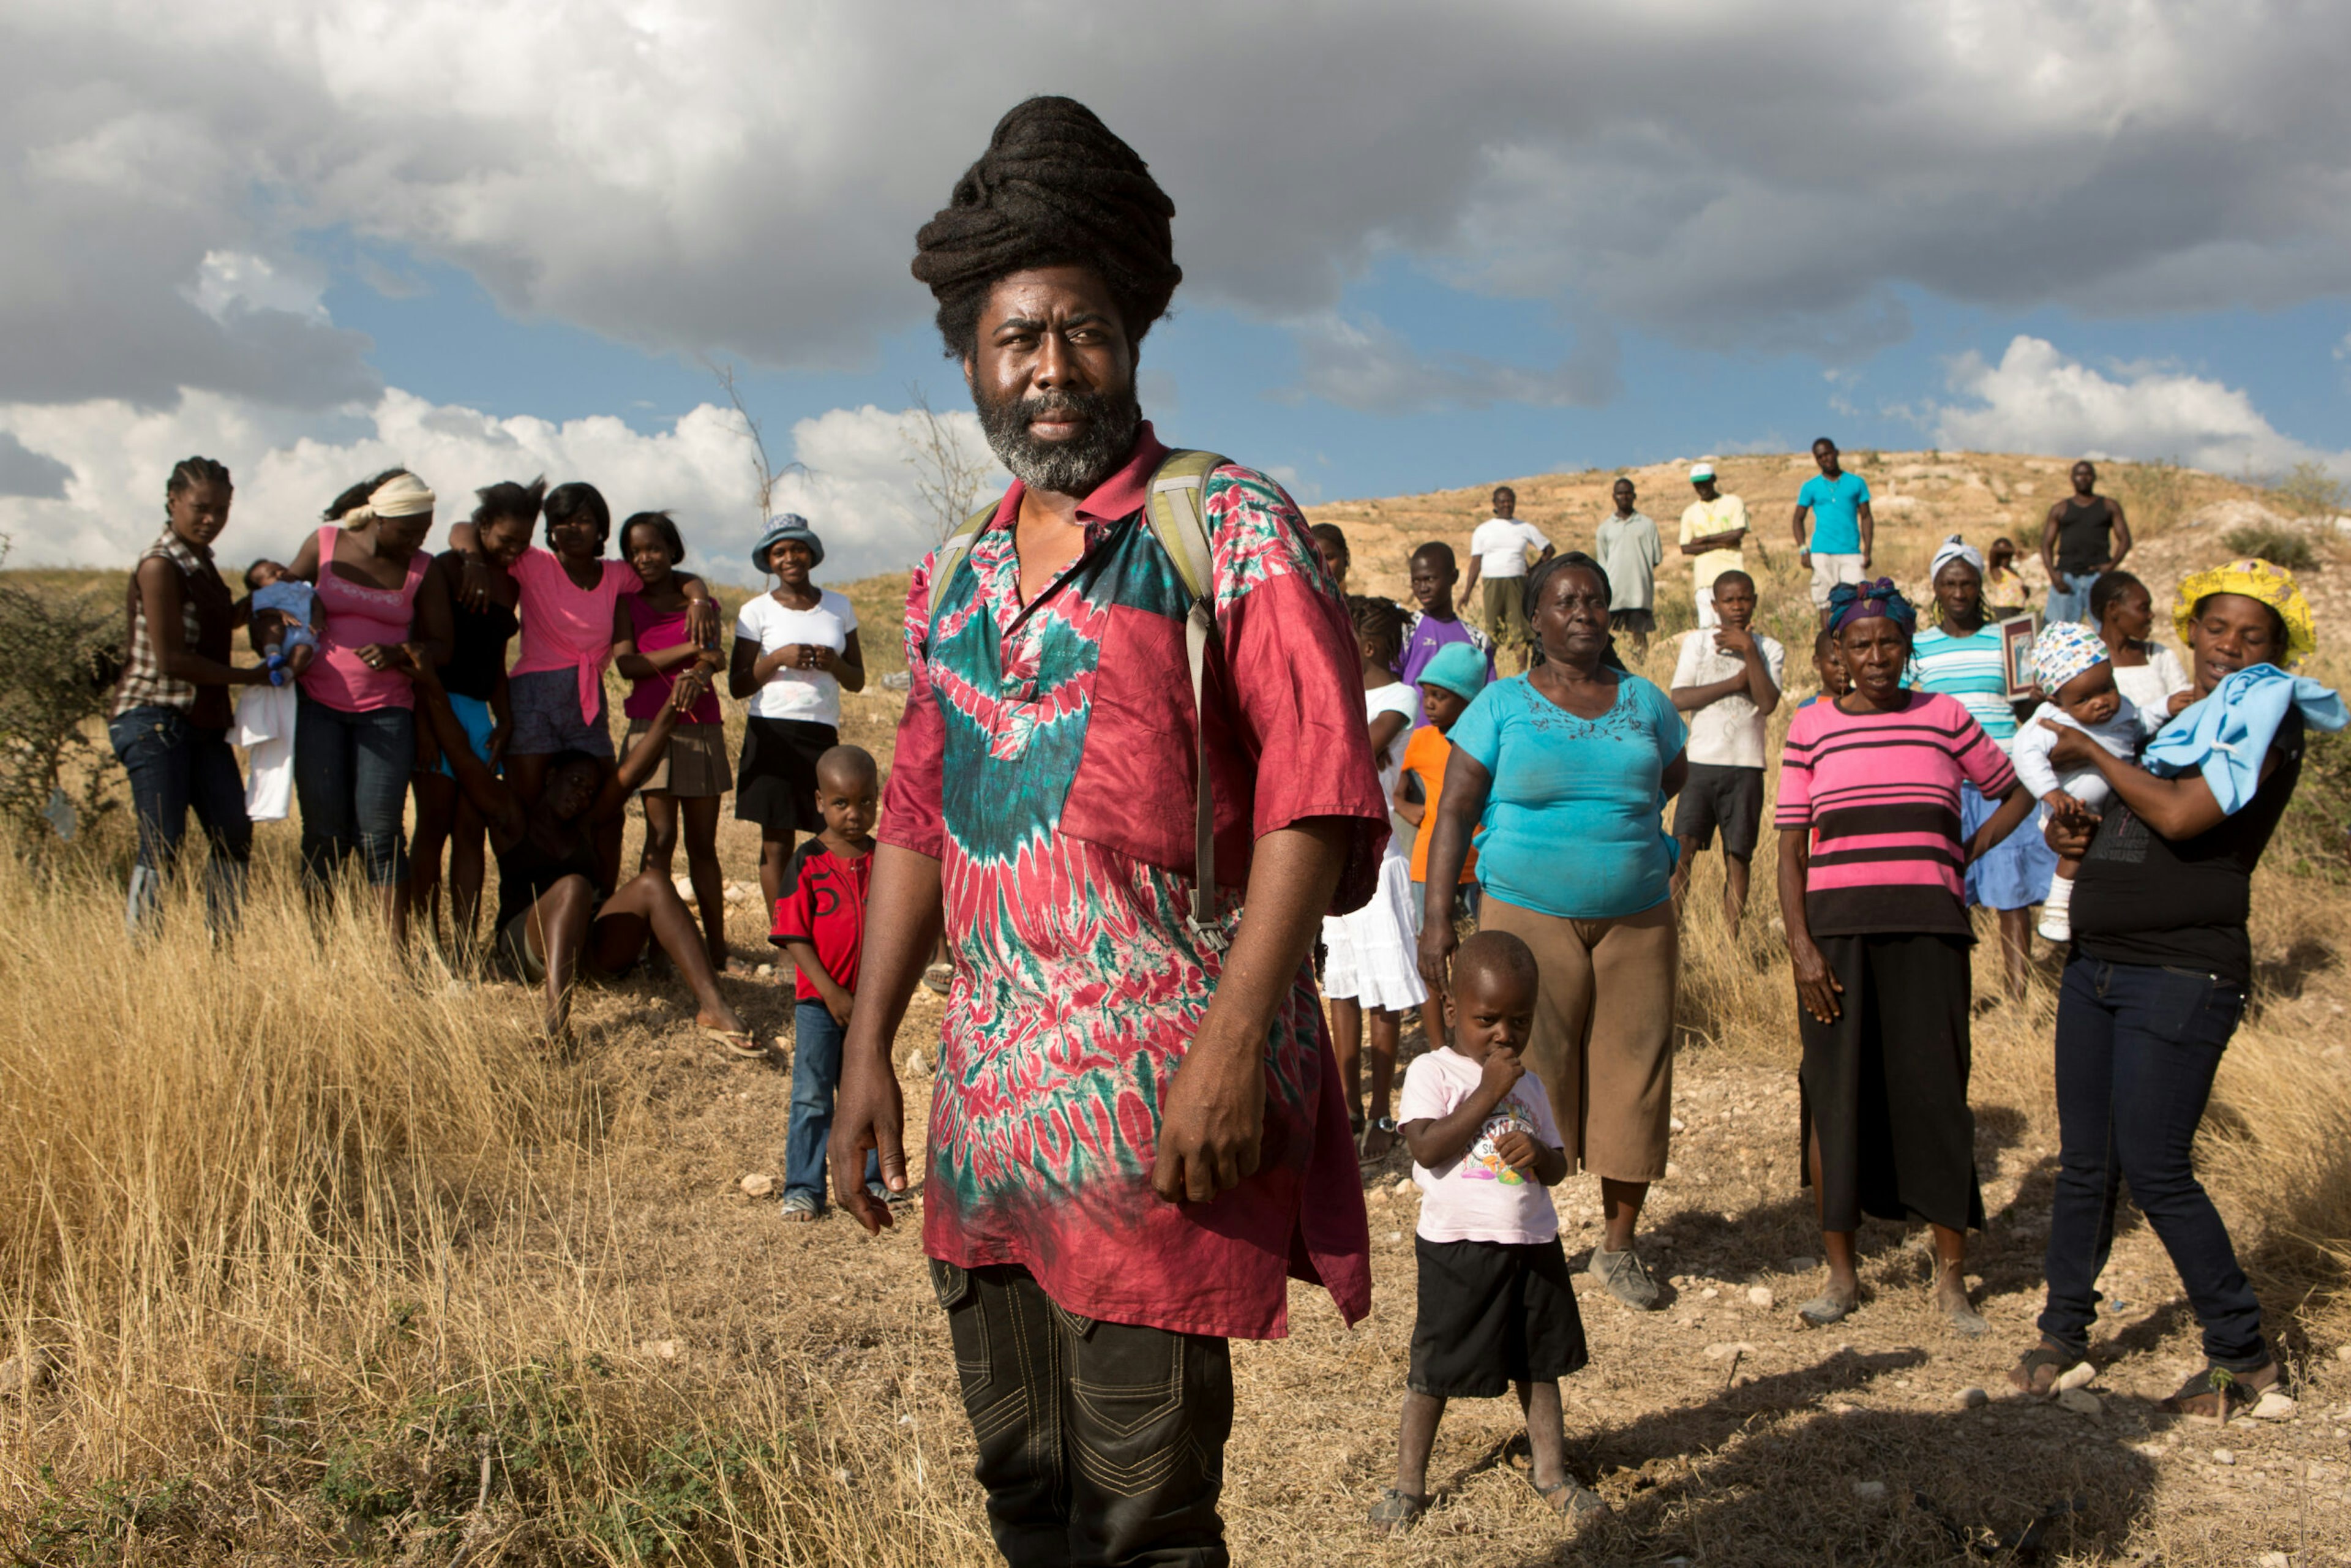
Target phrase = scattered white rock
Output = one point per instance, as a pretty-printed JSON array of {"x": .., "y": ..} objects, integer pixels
[
  {"x": 1869, "y": 1491},
  {"x": 2082, "y": 1402},
  {"x": 1728, "y": 1348},
  {"x": 1404, "y": 1186},
  {"x": 663, "y": 1350},
  {"x": 1396, "y": 1235},
  {"x": 1708, "y": 1294},
  {"x": 734, "y": 894},
  {"x": 759, "y": 1184},
  {"x": 2343, "y": 1353},
  {"x": 2276, "y": 1560},
  {"x": 1973, "y": 1398},
  {"x": 1677, "y": 1124},
  {"x": 841, "y": 1477},
  {"x": 2276, "y": 1405},
  {"x": 765, "y": 971},
  {"x": 2081, "y": 1375},
  {"x": 2223, "y": 1457},
  {"x": 1803, "y": 1265},
  {"x": 1760, "y": 1296},
  {"x": 2151, "y": 1451}
]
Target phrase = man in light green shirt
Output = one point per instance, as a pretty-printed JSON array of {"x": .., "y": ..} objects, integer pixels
[{"x": 1713, "y": 528}]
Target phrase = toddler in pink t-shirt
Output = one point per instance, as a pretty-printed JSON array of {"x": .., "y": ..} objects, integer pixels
[{"x": 1496, "y": 1309}]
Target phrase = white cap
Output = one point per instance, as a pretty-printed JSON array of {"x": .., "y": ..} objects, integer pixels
[{"x": 1700, "y": 471}]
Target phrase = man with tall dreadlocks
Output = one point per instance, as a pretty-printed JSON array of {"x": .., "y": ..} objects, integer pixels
[{"x": 1137, "y": 1133}]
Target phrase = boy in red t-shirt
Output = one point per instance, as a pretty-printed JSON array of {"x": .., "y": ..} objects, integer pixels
[{"x": 820, "y": 922}]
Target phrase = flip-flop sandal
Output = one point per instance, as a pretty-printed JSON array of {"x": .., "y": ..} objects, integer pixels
[
  {"x": 1570, "y": 1497},
  {"x": 1965, "y": 1323},
  {"x": 740, "y": 1043},
  {"x": 2026, "y": 1377},
  {"x": 2216, "y": 1394},
  {"x": 939, "y": 977},
  {"x": 1396, "y": 1512},
  {"x": 799, "y": 1207},
  {"x": 1823, "y": 1310}
]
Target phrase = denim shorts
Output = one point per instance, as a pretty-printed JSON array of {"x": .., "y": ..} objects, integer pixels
[{"x": 547, "y": 717}]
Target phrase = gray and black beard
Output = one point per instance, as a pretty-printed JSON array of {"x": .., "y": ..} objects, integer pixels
[{"x": 1065, "y": 468}]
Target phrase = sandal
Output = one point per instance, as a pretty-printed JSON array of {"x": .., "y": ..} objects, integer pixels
[
  {"x": 2038, "y": 1369},
  {"x": 740, "y": 1043},
  {"x": 939, "y": 977},
  {"x": 799, "y": 1207},
  {"x": 1396, "y": 1512},
  {"x": 1570, "y": 1498},
  {"x": 2217, "y": 1393},
  {"x": 1825, "y": 1309}
]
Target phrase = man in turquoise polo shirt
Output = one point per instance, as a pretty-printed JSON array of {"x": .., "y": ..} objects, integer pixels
[{"x": 1842, "y": 530}]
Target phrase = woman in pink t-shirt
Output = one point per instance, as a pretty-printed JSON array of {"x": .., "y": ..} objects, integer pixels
[
  {"x": 555, "y": 688},
  {"x": 654, "y": 646},
  {"x": 355, "y": 733}
]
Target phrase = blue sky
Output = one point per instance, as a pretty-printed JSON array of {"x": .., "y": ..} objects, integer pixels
[{"x": 318, "y": 239}]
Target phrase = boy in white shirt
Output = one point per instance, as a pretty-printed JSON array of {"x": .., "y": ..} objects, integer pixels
[
  {"x": 1497, "y": 1306},
  {"x": 1727, "y": 680},
  {"x": 1497, "y": 551}
]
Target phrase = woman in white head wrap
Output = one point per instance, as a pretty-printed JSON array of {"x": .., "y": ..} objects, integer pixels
[
  {"x": 1962, "y": 654},
  {"x": 355, "y": 730}
]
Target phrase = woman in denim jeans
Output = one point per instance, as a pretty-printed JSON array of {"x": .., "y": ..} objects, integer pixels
[
  {"x": 2154, "y": 989},
  {"x": 170, "y": 725},
  {"x": 355, "y": 741}
]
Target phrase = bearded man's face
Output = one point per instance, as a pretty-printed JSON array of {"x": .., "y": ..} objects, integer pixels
[{"x": 1052, "y": 377}]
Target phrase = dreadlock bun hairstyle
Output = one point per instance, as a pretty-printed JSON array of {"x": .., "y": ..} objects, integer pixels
[{"x": 1055, "y": 188}]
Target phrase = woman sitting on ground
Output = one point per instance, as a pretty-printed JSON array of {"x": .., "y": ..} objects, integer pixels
[
  {"x": 1871, "y": 847},
  {"x": 2160, "y": 965},
  {"x": 551, "y": 926}
]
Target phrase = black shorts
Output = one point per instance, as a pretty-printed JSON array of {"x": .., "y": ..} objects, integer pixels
[
  {"x": 1490, "y": 1315},
  {"x": 775, "y": 785},
  {"x": 1642, "y": 621},
  {"x": 1716, "y": 796}
]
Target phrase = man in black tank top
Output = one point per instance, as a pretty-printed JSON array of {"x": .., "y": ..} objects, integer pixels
[{"x": 2083, "y": 539}]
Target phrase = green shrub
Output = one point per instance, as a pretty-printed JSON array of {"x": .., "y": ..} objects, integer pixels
[
  {"x": 2310, "y": 489},
  {"x": 2288, "y": 548},
  {"x": 59, "y": 655}
]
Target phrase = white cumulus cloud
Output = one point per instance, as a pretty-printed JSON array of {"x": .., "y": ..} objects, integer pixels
[
  {"x": 2037, "y": 399},
  {"x": 855, "y": 482}
]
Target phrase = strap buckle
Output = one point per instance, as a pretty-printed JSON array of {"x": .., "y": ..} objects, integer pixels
[{"x": 1209, "y": 934}]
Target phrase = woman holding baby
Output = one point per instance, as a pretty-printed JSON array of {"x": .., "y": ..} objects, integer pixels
[{"x": 2156, "y": 982}]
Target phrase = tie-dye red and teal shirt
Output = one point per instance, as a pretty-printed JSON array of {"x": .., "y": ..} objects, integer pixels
[{"x": 1045, "y": 760}]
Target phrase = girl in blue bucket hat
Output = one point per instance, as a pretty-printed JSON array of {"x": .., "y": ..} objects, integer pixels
[{"x": 795, "y": 651}]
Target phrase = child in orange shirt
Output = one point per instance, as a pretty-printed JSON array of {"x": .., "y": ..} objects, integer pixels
[{"x": 1449, "y": 682}]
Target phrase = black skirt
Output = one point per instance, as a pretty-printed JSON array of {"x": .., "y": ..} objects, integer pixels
[
  {"x": 1490, "y": 1315},
  {"x": 1886, "y": 1086},
  {"x": 775, "y": 785}
]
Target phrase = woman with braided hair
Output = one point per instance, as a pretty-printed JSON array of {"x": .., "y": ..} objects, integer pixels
[
  {"x": 1137, "y": 1133},
  {"x": 171, "y": 720}
]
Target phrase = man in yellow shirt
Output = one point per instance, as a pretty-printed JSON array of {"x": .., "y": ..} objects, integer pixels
[{"x": 1714, "y": 527}]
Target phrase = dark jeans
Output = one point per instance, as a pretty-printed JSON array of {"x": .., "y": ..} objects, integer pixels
[
  {"x": 816, "y": 1077},
  {"x": 174, "y": 769},
  {"x": 1099, "y": 1443},
  {"x": 2136, "y": 1049},
  {"x": 350, "y": 776}
]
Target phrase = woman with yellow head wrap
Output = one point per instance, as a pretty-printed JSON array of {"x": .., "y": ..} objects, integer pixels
[{"x": 2156, "y": 982}]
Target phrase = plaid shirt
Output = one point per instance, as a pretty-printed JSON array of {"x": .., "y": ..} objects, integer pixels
[{"x": 205, "y": 628}]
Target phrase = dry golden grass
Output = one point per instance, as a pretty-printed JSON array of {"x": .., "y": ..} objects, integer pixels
[{"x": 321, "y": 1261}]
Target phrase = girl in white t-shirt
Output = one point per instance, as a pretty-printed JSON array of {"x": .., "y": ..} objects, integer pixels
[
  {"x": 1496, "y": 1309},
  {"x": 1368, "y": 966},
  {"x": 794, "y": 653}
]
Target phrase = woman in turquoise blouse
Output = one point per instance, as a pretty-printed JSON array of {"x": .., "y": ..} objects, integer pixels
[{"x": 1563, "y": 774}]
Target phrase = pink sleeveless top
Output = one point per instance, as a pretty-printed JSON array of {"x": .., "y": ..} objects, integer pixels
[
  {"x": 655, "y": 630},
  {"x": 356, "y": 616}
]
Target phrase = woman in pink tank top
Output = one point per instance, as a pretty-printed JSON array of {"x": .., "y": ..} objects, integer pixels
[{"x": 355, "y": 730}]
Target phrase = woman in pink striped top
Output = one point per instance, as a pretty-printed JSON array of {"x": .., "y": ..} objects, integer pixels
[{"x": 1872, "y": 890}]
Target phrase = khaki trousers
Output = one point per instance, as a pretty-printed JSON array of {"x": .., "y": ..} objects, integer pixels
[{"x": 1604, "y": 1034}]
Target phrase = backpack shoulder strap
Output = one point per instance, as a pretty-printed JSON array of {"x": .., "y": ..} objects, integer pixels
[
  {"x": 1178, "y": 510},
  {"x": 950, "y": 554}
]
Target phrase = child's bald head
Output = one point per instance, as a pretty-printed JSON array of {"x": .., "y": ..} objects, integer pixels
[
  {"x": 849, "y": 768},
  {"x": 1495, "y": 967}
]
